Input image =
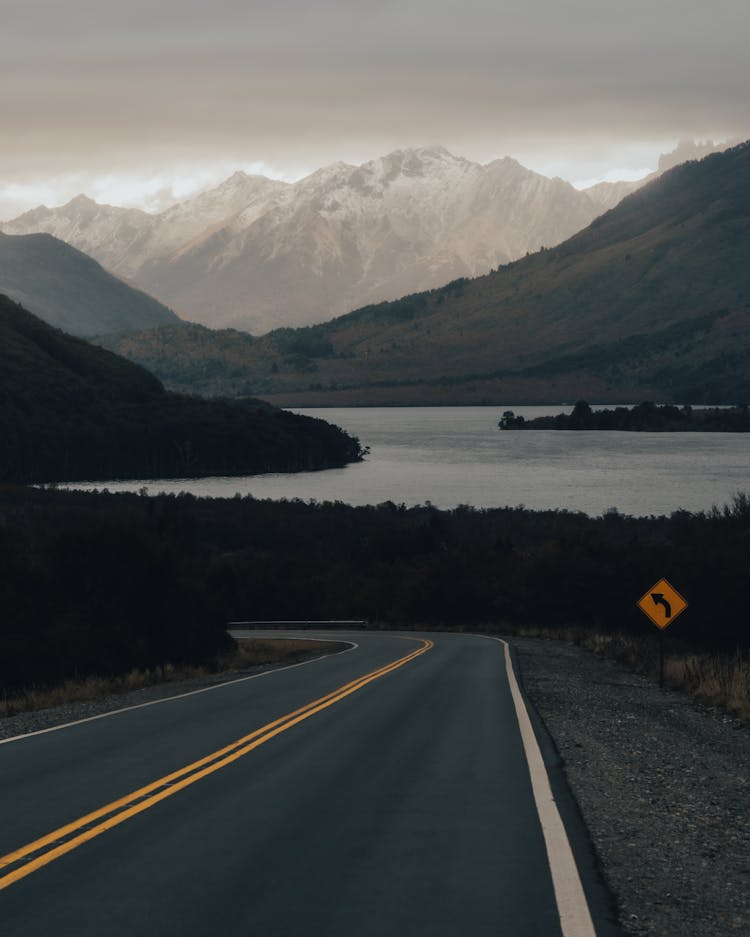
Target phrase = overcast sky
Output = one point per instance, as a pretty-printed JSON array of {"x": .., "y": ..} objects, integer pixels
[{"x": 139, "y": 101}]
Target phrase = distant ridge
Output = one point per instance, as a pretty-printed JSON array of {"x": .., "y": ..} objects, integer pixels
[{"x": 71, "y": 291}]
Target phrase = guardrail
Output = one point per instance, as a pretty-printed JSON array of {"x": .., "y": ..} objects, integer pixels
[{"x": 301, "y": 625}]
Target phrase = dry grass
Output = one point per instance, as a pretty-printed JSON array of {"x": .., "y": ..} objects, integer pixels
[
  {"x": 249, "y": 653},
  {"x": 716, "y": 679},
  {"x": 254, "y": 652}
]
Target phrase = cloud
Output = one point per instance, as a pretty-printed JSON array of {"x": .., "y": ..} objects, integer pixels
[{"x": 92, "y": 86}]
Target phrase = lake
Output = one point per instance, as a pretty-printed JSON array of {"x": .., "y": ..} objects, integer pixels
[{"x": 457, "y": 455}]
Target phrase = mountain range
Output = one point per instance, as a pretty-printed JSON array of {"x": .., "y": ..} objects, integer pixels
[
  {"x": 256, "y": 253},
  {"x": 651, "y": 300}
]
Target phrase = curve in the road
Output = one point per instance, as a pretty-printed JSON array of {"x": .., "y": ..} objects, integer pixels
[
  {"x": 351, "y": 646},
  {"x": 423, "y": 805},
  {"x": 33, "y": 856}
]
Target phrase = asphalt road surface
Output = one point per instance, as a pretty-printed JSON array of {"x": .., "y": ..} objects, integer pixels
[{"x": 382, "y": 791}]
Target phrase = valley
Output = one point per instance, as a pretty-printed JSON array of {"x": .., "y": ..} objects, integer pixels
[{"x": 650, "y": 301}]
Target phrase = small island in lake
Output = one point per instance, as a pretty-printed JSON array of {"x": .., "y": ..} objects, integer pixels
[{"x": 645, "y": 417}]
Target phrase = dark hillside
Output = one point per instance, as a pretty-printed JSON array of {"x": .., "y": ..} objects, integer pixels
[
  {"x": 70, "y": 410},
  {"x": 70, "y": 290}
]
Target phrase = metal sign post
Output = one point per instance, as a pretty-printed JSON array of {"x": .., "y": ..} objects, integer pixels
[
  {"x": 661, "y": 660},
  {"x": 661, "y": 605}
]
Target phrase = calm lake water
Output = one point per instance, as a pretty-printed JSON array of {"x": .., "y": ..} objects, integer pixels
[{"x": 457, "y": 455}]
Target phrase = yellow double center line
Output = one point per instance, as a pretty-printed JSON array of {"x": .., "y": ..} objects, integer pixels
[{"x": 41, "y": 852}]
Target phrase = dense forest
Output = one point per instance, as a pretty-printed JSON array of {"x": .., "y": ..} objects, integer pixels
[
  {"x": 645, "y": 417},
  {"x": 71, "y": 411},
  {"x": 102, "y": 583}
]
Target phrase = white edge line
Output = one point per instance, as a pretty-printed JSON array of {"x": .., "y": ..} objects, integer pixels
[
  {"x": 168, "y": 699},
  {"x": 575, "y": 917}
]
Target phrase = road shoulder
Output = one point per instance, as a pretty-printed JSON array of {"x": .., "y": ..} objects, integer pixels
[
  {"x": 42, "y": 720},
  {"x": 661, "y": 782}
]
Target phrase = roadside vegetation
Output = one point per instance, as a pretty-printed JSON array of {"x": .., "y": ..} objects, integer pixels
[
  {"x": 716, "y": 678},
  {"x": 97, "y": 584},
  {"x": 246, "y": 655}
]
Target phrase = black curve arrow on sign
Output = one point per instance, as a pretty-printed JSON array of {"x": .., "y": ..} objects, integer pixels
[{"x": 658, "y": 599}]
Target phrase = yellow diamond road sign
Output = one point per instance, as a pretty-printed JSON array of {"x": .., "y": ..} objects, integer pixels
[{"x": 662, "y": 604}]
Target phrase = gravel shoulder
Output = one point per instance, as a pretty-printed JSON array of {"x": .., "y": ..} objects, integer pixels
[{"x": 663, "y": 784}]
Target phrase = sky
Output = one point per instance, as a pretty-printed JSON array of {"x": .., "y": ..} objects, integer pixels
[{"x": 142, "y": 103}]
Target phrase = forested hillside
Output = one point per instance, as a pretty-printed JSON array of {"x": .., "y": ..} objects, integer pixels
[{"x": 70, "y": 410}]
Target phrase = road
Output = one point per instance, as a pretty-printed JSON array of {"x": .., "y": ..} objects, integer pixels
[{"x": 382, "y": 791}]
